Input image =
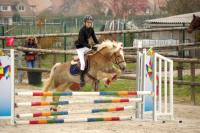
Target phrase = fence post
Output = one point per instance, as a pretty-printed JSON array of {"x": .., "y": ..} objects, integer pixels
[
  {"x": 193, "y": 95},
  {"x": 181, "y": 55},
  {"x": 65, "y": 41},
  {"x": 3, "y": 34},
  {"x": 124, "y": 35},
  {"x": 19, "y": 65},
  {"x": 180, "y": 64}
]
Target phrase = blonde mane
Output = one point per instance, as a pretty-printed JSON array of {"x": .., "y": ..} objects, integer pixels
[
  {"x": 111, "y": 46},
  {"x": 108, "y": 44}
]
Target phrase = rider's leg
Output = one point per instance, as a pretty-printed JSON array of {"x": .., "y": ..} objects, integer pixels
[{"x": 81, "y": 52}]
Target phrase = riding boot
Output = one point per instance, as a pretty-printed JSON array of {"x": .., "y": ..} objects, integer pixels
[{"x": 82, "y": 80}]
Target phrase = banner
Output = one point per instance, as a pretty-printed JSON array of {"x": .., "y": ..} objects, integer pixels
[{"x": 5, "y": 87}]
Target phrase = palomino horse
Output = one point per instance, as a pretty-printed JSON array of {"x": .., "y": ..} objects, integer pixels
[
  {"x": 195, "y": 23},
  {"x": 107, "y": 61}
]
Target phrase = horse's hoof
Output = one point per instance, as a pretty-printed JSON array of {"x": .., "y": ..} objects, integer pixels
[
  {"x": 114, "y": 77},
  {"x": 53, "y": 109},
  {"x": 107, "y": 82}
]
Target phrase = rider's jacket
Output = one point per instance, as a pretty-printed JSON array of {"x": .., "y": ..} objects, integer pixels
[{"x": 84, "y": 35}]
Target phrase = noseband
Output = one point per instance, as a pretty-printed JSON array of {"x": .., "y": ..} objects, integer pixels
[{"x": 117, "y": 62}]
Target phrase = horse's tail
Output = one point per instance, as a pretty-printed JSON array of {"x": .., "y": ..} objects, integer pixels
[{"x": 49, "y": 83}]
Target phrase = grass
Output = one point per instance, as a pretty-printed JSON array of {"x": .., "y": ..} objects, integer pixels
[
  {"x": 183, "y": 93},
  {"x": 119, "y": 85}
]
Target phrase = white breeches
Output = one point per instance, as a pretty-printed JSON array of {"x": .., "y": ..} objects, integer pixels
[{"x": 81, "y": 52}]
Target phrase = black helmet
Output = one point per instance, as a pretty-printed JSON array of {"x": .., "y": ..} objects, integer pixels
[{"x": 88, "y": 17}]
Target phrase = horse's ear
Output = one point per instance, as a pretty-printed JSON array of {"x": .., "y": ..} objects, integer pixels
[
  {"x": 114, "y": 44},
  {"x": 121, "y": 44},
  {"x": 194, "y": 16}
]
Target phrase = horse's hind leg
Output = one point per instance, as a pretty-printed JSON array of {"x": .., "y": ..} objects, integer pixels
[
  {"x": 55, "y": 99},
  {"x": 60, "y": 88},
  {"x": 95, "y": 85}
]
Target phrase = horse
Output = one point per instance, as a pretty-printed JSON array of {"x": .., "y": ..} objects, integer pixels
[
  {"x": 195, "y": 23},
  {"x": 107, "y": 62}
]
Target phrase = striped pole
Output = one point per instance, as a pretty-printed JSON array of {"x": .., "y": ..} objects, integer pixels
[
  {"x": 101, "y": 93},
  {"x": 45, "y": 114},
  {"x": 98, "y": 101},
  {"x": 51, "y": 121}
]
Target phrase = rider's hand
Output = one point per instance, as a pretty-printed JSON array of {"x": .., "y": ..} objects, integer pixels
[{"x": 94, "y": 48}]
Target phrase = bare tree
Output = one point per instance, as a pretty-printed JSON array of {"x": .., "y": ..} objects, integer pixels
[
  {"x": 175, "y": 7},
  {"x": 97, "y": 7},
  {"x": 122, "y": 8}
]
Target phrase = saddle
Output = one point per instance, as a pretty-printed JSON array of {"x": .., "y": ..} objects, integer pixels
[{"x": 75, "y": 63}]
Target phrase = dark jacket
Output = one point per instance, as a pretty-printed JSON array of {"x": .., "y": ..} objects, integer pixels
[
  {"x": 84, "y": 35},
  {"x": 29, "y": 56},
  {"x": 27, "y": 45}
]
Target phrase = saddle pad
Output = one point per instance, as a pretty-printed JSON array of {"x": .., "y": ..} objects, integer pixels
[{"x": 74, "y": 69}]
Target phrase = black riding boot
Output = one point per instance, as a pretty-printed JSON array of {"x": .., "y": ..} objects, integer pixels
[{"x": 82, "y": 80}]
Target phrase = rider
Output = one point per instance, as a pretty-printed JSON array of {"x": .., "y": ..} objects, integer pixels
[{"x": 82, "y": 44}]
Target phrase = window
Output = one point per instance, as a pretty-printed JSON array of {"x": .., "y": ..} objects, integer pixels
[
  {"x": 21, "y": 8},
  {"x": 4, "y": 8}
]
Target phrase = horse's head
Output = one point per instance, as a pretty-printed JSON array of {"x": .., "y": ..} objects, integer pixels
[
  {"x": 194, "y": 24},
  {"x": 118, "y": 56},
  {"x": 113, "y": 51}
]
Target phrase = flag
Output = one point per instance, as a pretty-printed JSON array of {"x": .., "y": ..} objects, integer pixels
[
  {"x": 9, "y": 41},
  {"x": 150, "y": 52},
  {"x": 1, "y": 71}
]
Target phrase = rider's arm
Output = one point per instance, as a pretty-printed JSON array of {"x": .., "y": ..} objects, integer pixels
[{"x": 94, "y": 37}]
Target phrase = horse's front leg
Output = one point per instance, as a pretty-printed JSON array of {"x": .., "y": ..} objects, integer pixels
[
  {"x": 107, "y": 77},
  {"x": 117, "y": 72},
  {"x": 113, "y": 74}
]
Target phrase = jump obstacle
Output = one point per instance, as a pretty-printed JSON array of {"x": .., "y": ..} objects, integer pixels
[
  {"x": 153, "y": 72},
  {"x": 98, "y": 101}
]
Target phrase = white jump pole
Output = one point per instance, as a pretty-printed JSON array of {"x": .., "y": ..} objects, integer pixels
[{"x": 12, "y": 56}]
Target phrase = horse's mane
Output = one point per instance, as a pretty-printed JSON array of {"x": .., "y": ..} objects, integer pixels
[{"x": 105, "y": 44}]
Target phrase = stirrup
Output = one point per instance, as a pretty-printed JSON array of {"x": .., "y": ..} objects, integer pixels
[{"x": 82, "y": 83}]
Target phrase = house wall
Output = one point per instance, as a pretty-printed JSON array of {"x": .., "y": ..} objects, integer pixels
[
  {"x": 6, "y": 20},
  {"x": 10, "y": 21},
  {"x": 178, "y": 35}
]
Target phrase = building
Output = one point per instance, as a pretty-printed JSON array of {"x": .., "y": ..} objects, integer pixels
[
  {"x": 182, "y": 20},
  {"x": 165, "y": 37},
  {"x": 15, "y": 10}
]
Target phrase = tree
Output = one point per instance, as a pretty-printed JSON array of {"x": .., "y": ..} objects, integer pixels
[
  {"x": 122, "y": 8},
  {"x": 175, "y": 7},
  {"x": 97, "y": 7}
]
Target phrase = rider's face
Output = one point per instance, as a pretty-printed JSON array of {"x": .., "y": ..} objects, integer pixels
[{"x": 88, "y": 23}]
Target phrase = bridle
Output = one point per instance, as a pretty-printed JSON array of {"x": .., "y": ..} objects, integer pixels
[{"x": 115, "y": 60}]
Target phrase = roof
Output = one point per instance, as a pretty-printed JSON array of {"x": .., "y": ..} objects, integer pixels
[
  {"x": 178, "y": 19},
  {"x": 7, "y": 2},
  {"x": 14, "y": 3}
]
